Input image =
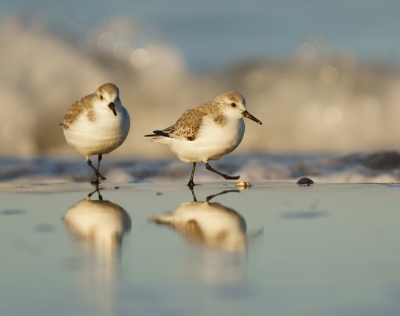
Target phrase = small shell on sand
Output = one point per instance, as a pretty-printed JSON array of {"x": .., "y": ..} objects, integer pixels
[{"x": 243, "y": 185}]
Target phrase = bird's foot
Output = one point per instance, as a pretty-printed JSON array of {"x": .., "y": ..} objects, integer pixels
[
  {"x": 231, "y": 177},
  {"x": 95, "y": 181},
  {"x": 99, "y": 176}
]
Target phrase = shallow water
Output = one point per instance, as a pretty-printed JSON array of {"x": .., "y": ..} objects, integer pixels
[{"x": 328, "y": 249}]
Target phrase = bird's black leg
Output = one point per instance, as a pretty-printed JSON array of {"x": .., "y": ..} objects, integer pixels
[
  {"x": 98, "y": 167},
  {"x": 100, "y": 156},
  {"x": 98, "y": 192},
  {"x": 97, "y": 173},
  {"x": 191, "y": 183},
  {"x": 226, "y": 177}
]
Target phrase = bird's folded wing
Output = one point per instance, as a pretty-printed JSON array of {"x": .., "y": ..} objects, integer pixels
[
  {"x": 78, "y": 107},
  {"x": 187, "y": 125}
]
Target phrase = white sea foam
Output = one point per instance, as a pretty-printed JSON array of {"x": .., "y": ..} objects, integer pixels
[{"x": 379, "y": 167}]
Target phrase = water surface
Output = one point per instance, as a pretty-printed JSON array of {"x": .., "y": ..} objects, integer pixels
[{"x": 321, "y": 250}]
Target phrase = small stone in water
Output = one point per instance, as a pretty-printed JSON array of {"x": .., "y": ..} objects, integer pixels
[{"x": 305, "y": 182}]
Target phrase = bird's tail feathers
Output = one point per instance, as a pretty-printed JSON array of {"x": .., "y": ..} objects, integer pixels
[{"x": 157, "y": 133}]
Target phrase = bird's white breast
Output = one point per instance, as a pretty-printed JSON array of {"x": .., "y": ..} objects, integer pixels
[
  {"x": 101, "y": 136},
  {"x": 212, "y": 141}
]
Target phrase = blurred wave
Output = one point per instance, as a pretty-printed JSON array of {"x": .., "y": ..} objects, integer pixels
[
  {"x": 312, "y": 102},
  {"x": 378, "y": 167}
]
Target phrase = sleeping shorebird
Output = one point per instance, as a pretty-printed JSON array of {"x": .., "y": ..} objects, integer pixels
[
  {"x": 96, "y": 125},
  {"x": 207, "y": 132}
]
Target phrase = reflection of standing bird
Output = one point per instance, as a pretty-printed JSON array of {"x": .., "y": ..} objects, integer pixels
[
  {"x": 97, "y": 124},
  {"x": 208, "y": 223},
  {"x": 98, "y": 227},
  {"x": 100, "y": 222},
  {"x": 207, "y": 132}
]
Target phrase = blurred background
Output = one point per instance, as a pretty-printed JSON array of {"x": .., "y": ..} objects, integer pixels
[{"x": 323, "y": 77}]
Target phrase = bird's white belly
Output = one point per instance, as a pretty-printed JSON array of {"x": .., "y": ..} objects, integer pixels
[
  {"x": 212, "y": 142},
  {"x": 99, "y": 137}
]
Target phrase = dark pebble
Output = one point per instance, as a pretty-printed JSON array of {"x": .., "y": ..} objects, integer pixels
[{"x": 305, "y": 182}]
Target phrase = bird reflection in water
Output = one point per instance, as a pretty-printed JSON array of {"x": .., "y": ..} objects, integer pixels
[
  {"x": 221, "y": 232},
  {"x": 98, "y": 227}
]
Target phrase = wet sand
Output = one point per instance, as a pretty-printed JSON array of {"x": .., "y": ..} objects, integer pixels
[{"x": 273, "y": 249}]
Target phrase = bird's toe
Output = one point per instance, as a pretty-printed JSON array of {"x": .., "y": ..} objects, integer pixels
[
  {"x": 232, "y": 177},
  {"x": 95, "y": 181}
]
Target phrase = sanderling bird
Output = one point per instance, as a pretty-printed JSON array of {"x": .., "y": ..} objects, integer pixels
[
  {"x": 207, "y": 132},
  {"x": 96, "y": 125}
]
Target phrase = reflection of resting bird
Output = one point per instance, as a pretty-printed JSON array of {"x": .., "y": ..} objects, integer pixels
[
  {"x": 96, "y": 125},
  {"x": 207, "y": 223},
  {"x": 101, "y": 222},
  {"x": 207, "y": 132}
]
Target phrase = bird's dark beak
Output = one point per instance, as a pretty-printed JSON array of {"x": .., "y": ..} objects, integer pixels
[
  {"x": 251, "y": 117},
  {"x": 111, "y": 105}
]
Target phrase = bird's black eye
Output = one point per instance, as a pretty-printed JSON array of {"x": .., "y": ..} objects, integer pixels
[
  {"x": 233, "y": 104},
  {"x": 101, "y": 97}
]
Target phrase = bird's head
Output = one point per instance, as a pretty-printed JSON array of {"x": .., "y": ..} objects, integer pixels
[
  {"x": 234, "y": 106},
  {"x": 108, "y": 94}
]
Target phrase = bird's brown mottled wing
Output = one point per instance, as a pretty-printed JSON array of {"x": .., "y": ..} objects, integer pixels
[
  {"x": 188, "y": 124},
  {"x": 82, "y": 105}
]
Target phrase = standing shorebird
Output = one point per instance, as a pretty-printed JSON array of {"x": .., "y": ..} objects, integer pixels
[
  {"x": 96, "y": 125},
  {"x": 207, "y": 132}
]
